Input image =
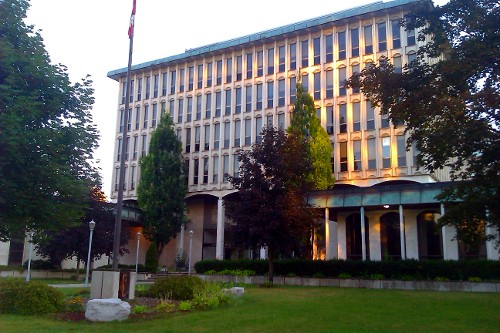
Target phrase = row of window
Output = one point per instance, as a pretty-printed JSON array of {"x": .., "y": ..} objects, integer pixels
[{"x": 276, "y": 60}]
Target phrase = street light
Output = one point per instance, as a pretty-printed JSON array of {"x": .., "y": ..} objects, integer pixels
[
  {"x": 91, "y": 227},
  {"x": 190, "y": 248},
  {"x": 28, "y": 274},
  {"x": 137, "y": 253}
]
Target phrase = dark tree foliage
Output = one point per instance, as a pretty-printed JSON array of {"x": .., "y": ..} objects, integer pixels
[
  {"x": 449, "y": 100},
  {"x": 162, "y": 187},
  {"x": 46, "y": 132},
  {"x": 270, "y": 210},
  {"x": 73, "y": 241}
]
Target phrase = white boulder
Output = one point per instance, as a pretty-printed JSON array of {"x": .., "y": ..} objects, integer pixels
[{"x": 107, "y": 309}]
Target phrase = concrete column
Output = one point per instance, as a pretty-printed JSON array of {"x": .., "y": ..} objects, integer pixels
[
  {"x": 491, "y": 252},
  {"x": 402, "y": 232},
  {"x": 219, "y": 247},
  {"x": 330, "y": 237},
  {"x": 363, "y": 238}
]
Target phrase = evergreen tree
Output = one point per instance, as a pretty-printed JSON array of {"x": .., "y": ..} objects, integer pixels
[
  {"x": 46, "y": 133},
  {"x": 162, "y": 186}
]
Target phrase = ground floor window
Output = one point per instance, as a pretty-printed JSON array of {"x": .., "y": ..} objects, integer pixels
[
  {"x": 354, "y": 239},
  {"x": 430, "y": 239},
  {"x": 390, "y": 238}
]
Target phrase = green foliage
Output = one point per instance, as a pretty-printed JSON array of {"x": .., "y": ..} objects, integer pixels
[
  {"x": 162, "y": 186},
  {"x": 165, "y": 306},
  {"x": 344, "y": 276},
  {"x": 185, "y": 306},
  {"x": 139, "y": 309},
  {"x": 74, "y": 304},
  {"x": 151, "y": 263},
  {"x": 176, "y": 287},
  {"x": 29, "y": 298},
  {"x": 40, "y": 264},
  {"x": 210, "y": 296},
  {"x": 46, "y": 130}
]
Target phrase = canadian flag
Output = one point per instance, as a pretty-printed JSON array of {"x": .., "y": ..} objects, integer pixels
[{"x": 131, "y": 26}]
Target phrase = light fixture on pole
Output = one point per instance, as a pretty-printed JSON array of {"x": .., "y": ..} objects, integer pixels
[
  {"x": 28, "y": 274},
  {"x": 91, "y": 227},
  {"x": 190, "y": 248},
  {"x": 137, "y": 253}
]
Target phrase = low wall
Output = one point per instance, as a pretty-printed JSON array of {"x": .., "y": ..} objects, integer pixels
[
  {"x": 492, "y": 287},
  {"x": 56, "y": 275}
]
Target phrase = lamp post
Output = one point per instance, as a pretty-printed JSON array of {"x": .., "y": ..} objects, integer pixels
[
  {"x": 137, "y": 253},
  {"x": 91, "y": 227},
  {"x": 28, "y": 274},
  {"x": 190, "y": 248}
]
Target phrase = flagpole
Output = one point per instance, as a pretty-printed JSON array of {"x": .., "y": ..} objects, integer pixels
[{"x": 121, "y": 181}]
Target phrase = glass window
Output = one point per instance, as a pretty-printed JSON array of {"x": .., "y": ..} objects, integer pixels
[
  {"x": 205, "y": 170},
  {"x": 382, "y": 37},
  {"x": 258, "y": 97},
  {"x": 188, "y": 140},
  {"x": 139, "y": 89},
  {"x": 281, "y": 121},
  {"x": 129, "y": 120},
  {"x": 215, "y": 176},
  {"x": 189, "y": 108},
  {"x": 144, "y": 145},
  {"x": 155, "y": 86},
  {"x": 132, "y": 177},
  {"x": 218, "y": 72},
  {"x": 145, "y": 117},
  {"x": 172, "y": 82},
  {"x": 236, "y": 166},
  {"x": 249, "y": 65},
  {"x": 356, "y": 152},
  {"x": 416, "y": 152},
  {"x": 137, "y": 116},
  {"x": 200, "y": 76},
  {"x": 317, "y": 50},
  {"x": 119, "y": 152},
  {"x": 208, "y": 106},
  {"x": 356, "y": 116},
  {"x": 343, "y": 118},
  {"x": 206, "y": 140},
  {"x": 342, "y": 79},
  {"x": 227, "y": 108},
  {"x": 396, "y": 34},
  {"x": 196, "y": 171},
  {"x": 258, "y": 129},
  {"x": 131, "y": 92},
  {"x": 270, "y": 94},
  {"x": 237, "y": 133},
  {"x": 218, "y": 103},
  {"x": 270, "y": 61},
  {"x": 281, "y": 56},
  {"x": 410, "y": 37},
  {"x": 239, "y": 68},
  {"x": 248, "y": 98},
  {"x": 216, "y": 136},
  {"x": 293, "y": 56},
  {"x": 248, "y": 133},
  {"x": 190, "y": 78},
  {"x": 355, "y": 69},
  {"x": 227, "y": 132},
  {"x": 342, "y": 45},
  {"x": 317, "y": 86},
  {"x": 197, "y": 138},
  {"x": 370, "y": 116},
  {"x": 367, "y": 31},
  {"x": 384, "y": 120},
  {"x": 305, "y": 53},
  {"x": 238, "y": 101},
  {"x": 293, "y": 89},
  {"x": 329, "y": 83},
  {"x": 198, "y": 107},
  {"x": 260, "y": 63},
  {"x": 209, "y": 74},
  {"x": 225, "y": 168},
  {"x": 229, "y": 70},
  {"x": 386, "y": 152},
  {"x": 281, "y": 92},
  {"x": 124, "y": 87},
  {"x": 180, "y": 111},
  {"x": 401, "y": 148},
  {"x": 305, "y": 82},
  {"x": 148, "y": 86},
  {"x": 372, "y": 154},
  {"x": 328, "y": 48},
  {"x": 269, "y": 120},
  {"x": 181, "y": 80},
  {"x": 398, "y": 67},
  {"x": 155, "y": 115},
  {"x": 343, "y": 156},
  {"x": 329, "y": 119},
  {"x": 354, "y": 42}
]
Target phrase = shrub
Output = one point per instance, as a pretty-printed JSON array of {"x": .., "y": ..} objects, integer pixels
[
  {"x": 165, "y": 306},
  {"x": 74, "y": 304},
  {"x": 176, "y": 287},
  {"x": 139, "y": 309},
  {"x": 151, "y": 263},
  {"x": 185, "y": 306},
  {"x": 40, "y": 264},
  {"x": 210, "y": 297},
  {"x": 344, "y": 276},
  {"x": 29, "y": 298}
]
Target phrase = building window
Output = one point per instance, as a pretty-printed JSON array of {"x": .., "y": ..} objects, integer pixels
[
  {"x": 329, "y": 83},
  {"x": 342, "y": 79},
  {"x": 305, "y": 82},
  {"x": 144, "y": 145},
  {"x": 304, "y": 45},
  {"x": 238, "y": 101},
  {"x": 124, "y": 91},
  {"x": 412, "y": 57},
  {"x": 131, "y": 95},
  {"x": 355, "y": 69},
  {"x": 216, "y": 136},
  {"x": 258, "y": 129},
  {"x": 281, "y": 58},
  {"x": 190, "y": 78},
  {"x": 200, "y": 76},
  {"x": 148, "y": 86},
  {"x": 354, "y": 42},
  {"x": 205, "y": 170},
  {"x": 119, "y": 152},
  {"x": 227, "y": 132},
  {"x": 416, "y": 152},
  {"x": 132, "y": 177},
  {"x": 225, "y": 168},
  {"x": 410, "y": 37},
  {"x": 343, "y": 118},
  {"x": 137, "y": 116},
  {"x": 155, "y": 115},
  {"x": 196, "y": 171},
  {"x": 269, "y": 120},
  {"x": 328, "y": 48},
  {"x": 146, "y": 116},
  {"x": 188, "y": 140},
  {"x": 249, "y": 65},
  {"x": 386, "y": 152},
  {"x": 164, "y": 84},
  {"x": 218, "y": 72},
  {"x": 281, "y": 121},
  {"x": 171, "y": 109},
  {"x": 356, "y": 116},
  {"x": 293, "y": 56},
  {"x": 356, "y": 152},
  {"x": 237, "y": 133},
  {"x": 227, "y": 108},
  {"x": 117, "y": 178},
  {"x": 208, "y": 106},
  {"x": 181, "y": 80},
  {"x": 396, "y": 34},
  {"x": 248, "y": 98},
  {"x": 398, "y": 67},
  {"x": 293, "y": 89},
  {"x": 370, "y": 116},
  {"x": 198, "y": 107},
  {"x": 281, "y": 92},
  {"x": 258, "y": 105},
  {"x": 260, "y": 63},
  {"x": 236, "y": 166},
  {"x": 209, "y": 74},
  {"x": 342, "y": 45},
  {"x": 343, "y": 156},
  {"x": 384, "y": 120},
  {"x": 239, "y": 68},
  {"x": 215, "y": 176},
  {"x": 139, "y": 89},
  {"x": 317, "y": 50},
  {"x": 197, "y": 138},
  {"x": 270, "y": 94},
  {"x": 367, "y": 31},
  {"x": 372, "y": 154},
  {"x": 317, "y": 86},
  {"x": 401, "y": 149},
  {"x": 206, "y": 141},
  {"x": 127, "y": 148},
  {"x": 218, "y": 103},
  {"x": 248, "y": 133},
  {"x": 229, "y": 70},
  {"x": 382, "y": 37},
  {"x": 329, "y": 120},
  {"x": 180, "y": 111},
  {"x": 129, "y": 120},
  {"x": 270, "y": 61},
  {"x": 155, "y": 85}
]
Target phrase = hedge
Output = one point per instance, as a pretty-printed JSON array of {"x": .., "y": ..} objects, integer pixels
[{"x": 457, "y": 270}]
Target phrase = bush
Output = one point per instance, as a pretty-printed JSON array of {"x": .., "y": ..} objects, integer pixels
[
  {"x": 210, "y": 297},
  {"x": 151, "y": 263},
  {"x": 179, "y": 288},
  {"x": 39, "y": 264},
  {"x": 29, "y": 298}
]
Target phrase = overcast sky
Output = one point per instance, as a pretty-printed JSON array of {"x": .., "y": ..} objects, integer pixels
[{"x": 90, "y": 37}]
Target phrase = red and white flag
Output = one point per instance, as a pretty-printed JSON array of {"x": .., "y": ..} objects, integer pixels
[{"x": 131, "y": 26}]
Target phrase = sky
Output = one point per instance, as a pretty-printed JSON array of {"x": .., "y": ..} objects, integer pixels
[{"x": 90, "y": 37}]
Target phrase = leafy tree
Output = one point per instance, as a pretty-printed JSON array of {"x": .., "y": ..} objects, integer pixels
[
  {"x": 269, "y": 209},
  {"x": 151, "y": 263},
  {"x": 306, "y": 128},
  {"x": 46, "y": 132},
  {"x": 73, "y": 241},
  {"x": 449, "y": 101},
  {"x": 162, "y": 187}
]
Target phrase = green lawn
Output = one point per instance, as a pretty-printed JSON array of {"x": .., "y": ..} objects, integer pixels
[{"x": 308, "y": 309}]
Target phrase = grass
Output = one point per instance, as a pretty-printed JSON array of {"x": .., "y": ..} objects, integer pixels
[{"x": 308, "y": 309}]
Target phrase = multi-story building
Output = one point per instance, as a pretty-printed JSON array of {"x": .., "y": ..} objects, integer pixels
[{"x": 221, "y": 95}]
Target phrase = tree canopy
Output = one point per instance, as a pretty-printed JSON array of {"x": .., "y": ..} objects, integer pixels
[
  {"x": 46, "y": 132},
  {"x": 306, "y": 128},
  {"x": 449, "y": 101},
  {"x": 270, "y": 209},
  {"x": 162, "y": 186}
]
